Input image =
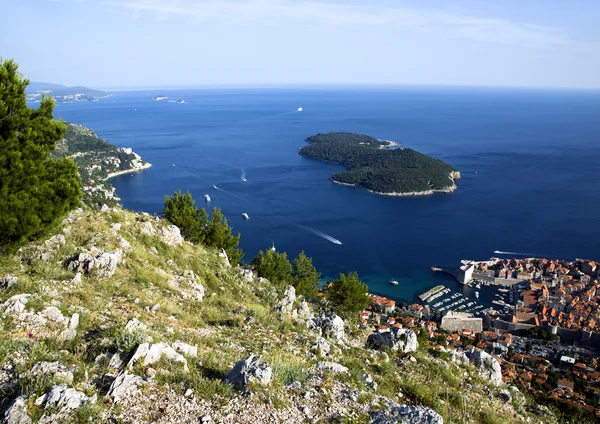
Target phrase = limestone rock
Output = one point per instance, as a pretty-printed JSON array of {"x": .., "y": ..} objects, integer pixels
[
  {"x": 116, "y": 226},
  {"x": 62, "y": 401},
  {"x": 16, "y": 413},
  {"x": 322, "y": 347},
  {"x": 505, "y": 396},
  {"x": 247, "y": 275},
  {"x": 53, "y": 314},
  {"x": 134, "y": 325},
  {"x": 74, "y": 321},
  {"x": 304, "y": 311},
  {"x": 58, "y": 239},
  {"x": 400, "y": 339},
  {"x": 333, "y": 367},
  {"x": 171, "y": 235},
  {"x": 289, "y": 297},
  {"x": 185, "y": 348},
  {"x": 369, "y": 382},
  {"x": 103, "y": 264},
  {"x": 59, "y": 371},
  {"x": 152, "y": 353},
  {"x": 147, "y": 229},
  {"x": 395, "y": 413},
  {"x": 15, "y": 304},
  {"x": 125, "y": 385},
  {"x": 223, "y": 254},
  {"x": 248, "y": 370},
  {"x": 487, "y": 365},
  {"x": 8, "y": 281},
  {"x": 330, "y": 327}
]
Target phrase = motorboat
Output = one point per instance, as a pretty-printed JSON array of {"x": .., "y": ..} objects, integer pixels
[
  {"x": 207, "y": 197},
  {"x": 394, "y": 283},
  {"x": 245, "y": 215},
  {"x": 477, "y": 294}
]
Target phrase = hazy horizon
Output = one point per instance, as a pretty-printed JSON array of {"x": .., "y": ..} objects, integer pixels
[{"x": 257, "y": 43}]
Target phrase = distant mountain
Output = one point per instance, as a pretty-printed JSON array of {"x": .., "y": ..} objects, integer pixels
[{"x": 62, "y": 93}]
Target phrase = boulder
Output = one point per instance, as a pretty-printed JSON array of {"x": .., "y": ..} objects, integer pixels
[
  {"x": 400, "y": 339},
  {"x": 125, "y": 385},
  {"x": 74, "y": 321},
  {"x": 171, "y": 235},
  {"x": 505, "y": 396},
  {"x": 249, "y": 370},
  {"x": 59, "y": 371},
  {"x": 147, "y": 229},
  {"x": 152, "y": 353},
  {"x": 60, "y": 402},
  {"x": 322, "y": 347},
  {"x": 247, "y": 275},
  {"x": 53, "y": 314},
  {"x": 185, "y": 348},
  {"x": 487, "y": 365},
  {"x": 369, "y": 382},
  {"x": 134, "y": 325},
  {"x": 103, "y": 264},
  {"x": 15, "y": 304},
  {"x": 16, "y": 413},
  {"x": 289, "y": 297},
  {"x": 332, "y": 367},
  {"x": 330, "y": 327},
  {"x": 58, "y": 239},
  {"x": 8, "y": 281},
  {"x": 395, "y": 413},
  {"x": 304, "y": 311},
  {"x": 223, "y": 254}
]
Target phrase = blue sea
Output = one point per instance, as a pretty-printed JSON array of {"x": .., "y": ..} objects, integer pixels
[{"x": 528, "y": 158}]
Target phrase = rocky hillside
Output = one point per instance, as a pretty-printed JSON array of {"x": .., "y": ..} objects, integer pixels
[
  {"x": 97, "y": 160},
  {"x": 115, "y": 319}
]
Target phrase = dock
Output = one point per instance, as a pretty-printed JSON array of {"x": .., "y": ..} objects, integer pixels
[{"x": 430, "y": 292}]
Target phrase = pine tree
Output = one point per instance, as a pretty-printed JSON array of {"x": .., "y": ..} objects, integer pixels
[
  {"x": 306, "y": 278},
  {"x": 180, "y": 210},
  {"x": 348, "y": 295},
  {"x": 273, "y": 266},
  {"x": 34, "y": 189},
  {"x": 219, "y": 234}
]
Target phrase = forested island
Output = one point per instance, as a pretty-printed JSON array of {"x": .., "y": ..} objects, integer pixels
[{"x": 374, "y": 167}]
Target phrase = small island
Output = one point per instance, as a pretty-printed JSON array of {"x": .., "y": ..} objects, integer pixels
[
  {"x": 62, "y": 94},
  {"x": 372, "y": 165}
]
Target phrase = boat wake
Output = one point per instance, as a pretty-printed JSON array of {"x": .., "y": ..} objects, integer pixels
[
  {"x": 243, "y": 176},
  {"x": 230, "y": 193},
  {"x": 320, "y": 234},
  {"x": 500, "y": 252}
]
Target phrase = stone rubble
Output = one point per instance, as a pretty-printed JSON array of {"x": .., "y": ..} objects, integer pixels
[{"x": 248, "y": 370}]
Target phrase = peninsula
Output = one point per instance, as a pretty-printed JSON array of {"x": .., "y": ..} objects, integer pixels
[{"x": 372, "y": 165}]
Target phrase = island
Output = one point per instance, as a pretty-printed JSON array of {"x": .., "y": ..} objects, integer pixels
[
  {"x": 381, "y": 166},
  {"x": 62, "y": 94},
  {"x": 97, "y": 161}
]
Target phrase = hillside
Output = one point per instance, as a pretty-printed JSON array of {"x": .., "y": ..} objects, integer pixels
[
  {"x": 97, "y": 160},
  {"x": 116, "y": 319},
  {"x": 370, "y": 165},
  {"x": 62, "y": 93}
]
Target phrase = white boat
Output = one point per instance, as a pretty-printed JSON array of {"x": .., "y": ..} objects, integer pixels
[
  {"x": 476, "y": 294},
  {"x": 214, "y": 186},
  {"x": 272, "y": 249},
  {"x": 160, "y": 98},
  {"x": 207, "y": 197},
  {"x": 394, "y": 283},
  {"x": 477, "y": 286},
  {"x": 299, "y": 109},
  {"x": 245, "y": 215}
]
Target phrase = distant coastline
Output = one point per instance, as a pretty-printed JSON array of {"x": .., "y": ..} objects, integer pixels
[{"x": 128, "y": 171}]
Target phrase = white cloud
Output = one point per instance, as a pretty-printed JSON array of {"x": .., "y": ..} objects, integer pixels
[{"x": 340, "y": 14}]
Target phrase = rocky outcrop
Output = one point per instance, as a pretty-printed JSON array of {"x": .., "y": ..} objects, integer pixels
[
  {"x": 15, "y": 304},
  {"x": 185, "y": 348},
  {"x": 8, "y": 281},
  {"x": 304, "y": 311},
  {"x": 16, "y": 413},
  {"x": 103, "y": 264},
  {"x": 223, "y": 254},
  {"x": 332, "y": 367},
  {"x": 125, "y": 385},
  {"x": 289, "y": 297},
  {"x": 134, "y": 325},
  {"x": 330, "y": 327},
  {"x": 488, "y": 366},
  {"x": 400, "y": 339},
  {"x": 195, "y": 290},
  {"x": 171, "y": 235},
  {"x": 152, "y": 353},
  {"x": 394, "y": 413},
  {"x": 249, "y": 370},
  {"x": 59, "y": 371},
  {"x": 60, "y": 402}
]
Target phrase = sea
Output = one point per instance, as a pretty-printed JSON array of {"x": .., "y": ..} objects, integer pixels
[{"x": 529, "y": 160}]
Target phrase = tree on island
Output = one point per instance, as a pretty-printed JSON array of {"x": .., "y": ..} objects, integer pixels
[
  {"x": 34, "y": 189},
  {"x": 196, "y": 227},
  {"x": 306, "y": 278},
  {"x": 273, "y": 266},
  {"x": 347, "y": 295}
]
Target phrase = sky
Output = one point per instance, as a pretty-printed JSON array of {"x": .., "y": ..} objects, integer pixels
[{"x": 167, "y": 43}]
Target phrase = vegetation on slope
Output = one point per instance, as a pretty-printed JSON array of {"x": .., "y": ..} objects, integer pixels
[{"x": 371, "y": 166}]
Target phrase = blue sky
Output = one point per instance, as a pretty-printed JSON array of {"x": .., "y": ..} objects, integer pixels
[{"x": 134, "y": 43}]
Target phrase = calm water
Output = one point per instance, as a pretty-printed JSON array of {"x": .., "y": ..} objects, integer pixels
[{"x": 529, "y": 161}]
